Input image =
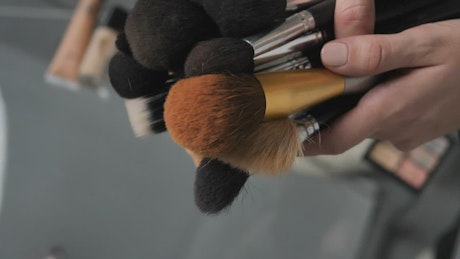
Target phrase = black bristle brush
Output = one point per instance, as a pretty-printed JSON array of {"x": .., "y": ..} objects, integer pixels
[
  {"x": 144, "y": 90},
  {"x": 244, "y": 17},
  {"x": 162, "y": 32},
  {"x": 217, "y": 184}
]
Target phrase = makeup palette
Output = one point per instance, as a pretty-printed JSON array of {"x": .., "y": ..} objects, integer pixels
[{"x": 413, "y": 168}]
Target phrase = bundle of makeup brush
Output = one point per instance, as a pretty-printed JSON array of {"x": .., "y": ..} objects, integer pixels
[{"x": 237, "y": 83}]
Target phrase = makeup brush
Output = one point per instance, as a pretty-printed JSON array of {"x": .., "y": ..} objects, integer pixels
[
  {"x": 161, "y": 33},
  {"x": 318, "y": 16},
  {"x": 235, "y": 56},
  {"x": 217, "y": 184},
  {"x": 143, "y": 90},
  {"x": 213, "y": 113},
  {"x": 244, "y": 17},
  {"x": 219, "y": 55},
  {"x": 302, "y": 43}
]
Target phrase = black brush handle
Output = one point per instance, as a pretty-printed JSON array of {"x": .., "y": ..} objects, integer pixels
[
  {"x": 323, "y": 12},
  {"x": 326, "y": 112},
  {"x": 394, "y": 16},
  {"x": 387, "y": 10},
  {"x": 441, "y": 10}
]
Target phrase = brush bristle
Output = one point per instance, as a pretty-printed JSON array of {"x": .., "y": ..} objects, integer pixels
[
  {"x": 139, "y": 116},
  {"x": 162, "y": 32},
  {"x": 217, "y": 184},
  {"x": 241, "y": 18},
  {"x": 132, "y": 80},
  {"x": 122, "y": 44},
  {"x": 211, "y": 114},
  {"x": 218, "y": 56},
  {"x": 271, "y": 148}
]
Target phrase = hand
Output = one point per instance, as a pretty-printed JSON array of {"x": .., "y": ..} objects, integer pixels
[{"x": 417, "y": 105}]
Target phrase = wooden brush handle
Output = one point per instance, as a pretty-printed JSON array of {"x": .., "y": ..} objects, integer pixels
[{"x": 66, "y": 62}]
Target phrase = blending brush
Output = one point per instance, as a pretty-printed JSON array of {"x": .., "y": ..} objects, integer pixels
[
  {"x": 234, "y": 56},
  {"x": 213, "y": 113},
  {"x": 244, "y": 17},
  {"x": 161, "y": 33}
]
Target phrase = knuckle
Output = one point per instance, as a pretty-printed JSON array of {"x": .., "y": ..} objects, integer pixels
[
  {"x": 426, "y": 49},
  {"x": 356, "y": 13},
  {"x": 375, "y": 53}
]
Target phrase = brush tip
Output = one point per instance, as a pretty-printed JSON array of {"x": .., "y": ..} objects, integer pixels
[
  {"x": 211, "y": 114},
  {"x": 131, "y": 80},
  {"x": 217, "y": 184},
  {"x": 161, "y": 33},
  {"x": 122, "y": 44},
  {"x": 245, "y": 17},
  {"x": 218, "y": 56}
]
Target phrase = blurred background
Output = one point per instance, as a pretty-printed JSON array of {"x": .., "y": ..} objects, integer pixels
[{"x": 74, "y": 176}]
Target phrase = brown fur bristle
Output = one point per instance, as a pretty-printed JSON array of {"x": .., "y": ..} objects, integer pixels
[
  {"x": 271, "y": 148},
  {"x": 211, "y": 114}
]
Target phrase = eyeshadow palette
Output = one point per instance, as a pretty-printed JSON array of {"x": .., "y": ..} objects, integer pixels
[{"x": 413, "y": 168}]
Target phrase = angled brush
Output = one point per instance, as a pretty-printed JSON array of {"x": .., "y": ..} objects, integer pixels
[{"x": 217, "y": 184}]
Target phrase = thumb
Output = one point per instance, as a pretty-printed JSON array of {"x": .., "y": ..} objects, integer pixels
[{"x": 373, "y": 54}]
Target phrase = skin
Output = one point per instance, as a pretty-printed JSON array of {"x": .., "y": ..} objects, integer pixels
[{"x": 421, "y": 102}]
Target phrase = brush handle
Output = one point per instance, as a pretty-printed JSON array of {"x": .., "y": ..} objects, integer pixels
[
  {"x": 313, "y": 120},
  {"x": 412, "y": 15},
  {"x": 65, "y": 64}
]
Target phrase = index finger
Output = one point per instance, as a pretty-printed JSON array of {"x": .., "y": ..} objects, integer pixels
[{"x": 354, "y": 17}]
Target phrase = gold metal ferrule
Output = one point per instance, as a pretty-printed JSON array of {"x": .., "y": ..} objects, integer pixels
[{"x": 291, "y": 91}]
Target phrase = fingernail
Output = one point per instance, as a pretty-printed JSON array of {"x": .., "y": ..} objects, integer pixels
[{"x": 334, "y": 54}]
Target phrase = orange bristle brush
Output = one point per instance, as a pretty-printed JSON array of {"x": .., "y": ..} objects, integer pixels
[{"x": 216, "y": 115}]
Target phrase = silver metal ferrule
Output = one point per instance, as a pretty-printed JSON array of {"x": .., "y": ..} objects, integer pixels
[
  {"x": 294, "y": 26},
  {"x": 294, "y": 64},
  {"x": 278, "y": 61},
  {"x": 307, "y": 127},
  {"x": 301, "y": 43}
]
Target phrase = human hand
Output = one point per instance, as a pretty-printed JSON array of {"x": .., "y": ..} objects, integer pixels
[{"x": 418, "y": 104}]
